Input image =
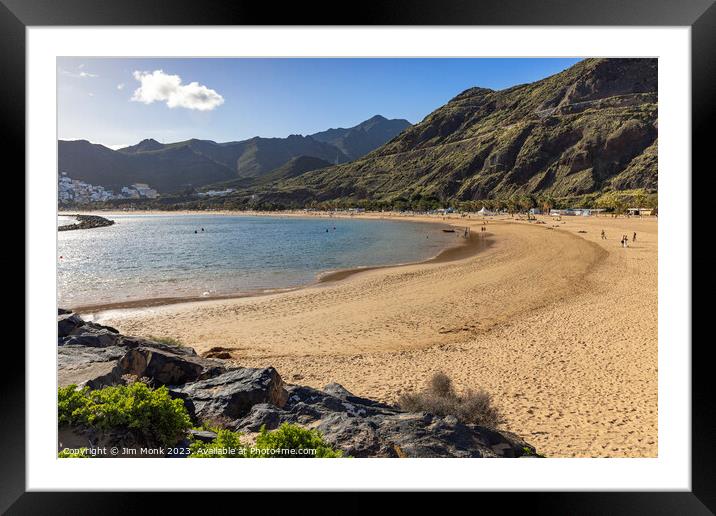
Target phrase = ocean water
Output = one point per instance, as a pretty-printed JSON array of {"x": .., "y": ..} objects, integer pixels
[{"x": 156, "y": 256}]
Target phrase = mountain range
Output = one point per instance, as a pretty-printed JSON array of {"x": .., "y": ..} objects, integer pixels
[
  {"x": 196, "y": 163},
  {"x": 591, "y": 128}
]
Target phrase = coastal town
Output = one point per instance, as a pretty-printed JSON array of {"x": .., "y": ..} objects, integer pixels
[{"x": 79, "y": 192}]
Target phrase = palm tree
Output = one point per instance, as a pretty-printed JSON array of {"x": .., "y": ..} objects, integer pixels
[
  {"x": 526, "y": 203},
  {"x": 546, "y": 203},
  {"x": 512, "y": 205}
]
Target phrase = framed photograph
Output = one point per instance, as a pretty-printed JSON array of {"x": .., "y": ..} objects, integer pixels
[{"x": 436, "y": 248}]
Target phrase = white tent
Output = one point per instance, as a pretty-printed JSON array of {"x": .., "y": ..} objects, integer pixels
[{"x": 484, "y": 212}]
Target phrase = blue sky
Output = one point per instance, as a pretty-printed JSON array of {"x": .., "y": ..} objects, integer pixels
[{"x": 120, "y": 101}]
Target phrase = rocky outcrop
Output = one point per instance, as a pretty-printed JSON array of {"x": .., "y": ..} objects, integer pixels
[
  {"x": 87, "y": 222},
  {"x": 95, "y": 336},
  {"x": 365, "y": 428},
  {"x": 225, "y": 398},
  {"x": 95, "y": 367},
  {"x": 67, "y": 322},
  {"x": 218, "y": 393},
  {"x": 97, "y": 356},
  {"x": 167, "y": 367}
]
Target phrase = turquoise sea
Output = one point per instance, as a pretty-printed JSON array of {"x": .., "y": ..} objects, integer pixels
[{"x": 152, "y": 256}]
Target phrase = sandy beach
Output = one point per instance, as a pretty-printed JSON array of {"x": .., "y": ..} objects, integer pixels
[{"x": 559, "y": 325}]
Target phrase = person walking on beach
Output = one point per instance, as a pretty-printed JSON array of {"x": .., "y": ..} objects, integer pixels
[
  {"x": 604, "y": 235},
  {"x": 633, "y": 239}
]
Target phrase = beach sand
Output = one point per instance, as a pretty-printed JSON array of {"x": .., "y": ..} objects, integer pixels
[{"x": 557, "y": 324}]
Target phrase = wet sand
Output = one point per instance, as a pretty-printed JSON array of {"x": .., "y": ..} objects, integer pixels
[{"x": 557, "y": 324}]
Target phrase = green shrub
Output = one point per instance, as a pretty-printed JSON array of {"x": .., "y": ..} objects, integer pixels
[
  {"x": 440, "y": 398},
  {"x": 528, "y": 452},
  {"x": 294, "y": 437},
  {"x": 71, "y": 402},
  {"x": 68, "y": 453},
  {"x": 287, "y": 437},
  {"x": 136, "y": 406}
]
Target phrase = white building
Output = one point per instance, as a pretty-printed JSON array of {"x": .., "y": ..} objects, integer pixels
[
  {"x": 215, "y": 193},
  {"x": 145, "y": 191},
  {"x": 75, "y": 191}
]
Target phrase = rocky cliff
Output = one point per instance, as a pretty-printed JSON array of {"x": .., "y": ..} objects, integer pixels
[{"x": 590, "y": 128}]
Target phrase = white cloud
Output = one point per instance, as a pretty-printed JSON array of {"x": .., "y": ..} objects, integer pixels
[
  {"x": 158, "y": 86},
  {"x": 120, "y": 86},
  {"x": 79, "y": 75}
]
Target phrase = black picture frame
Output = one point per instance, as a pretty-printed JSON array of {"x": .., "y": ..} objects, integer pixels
[{"x": 700, "y": 15}]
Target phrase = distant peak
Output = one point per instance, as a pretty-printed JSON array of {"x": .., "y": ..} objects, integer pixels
[
  {"x": 148, "y": 144},
  {"x": 379, "y": 121}
]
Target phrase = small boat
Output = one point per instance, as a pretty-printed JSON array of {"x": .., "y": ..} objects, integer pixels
[{"x": 448, "y": 231}]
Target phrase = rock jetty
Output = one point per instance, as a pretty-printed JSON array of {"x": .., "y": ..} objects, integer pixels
[
  {"x": 219, "y": 393},
  {"x": 87, "y": 222}
]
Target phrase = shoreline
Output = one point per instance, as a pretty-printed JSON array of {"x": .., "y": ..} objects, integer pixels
[
  {"x": 559, "y": 325},
  {"x": 464, "y": 249}
]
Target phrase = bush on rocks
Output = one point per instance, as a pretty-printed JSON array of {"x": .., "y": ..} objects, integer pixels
[
  {"x": 285, "y": 442},
  {"x": 151, "y": 412},
  {"x": 294, "y": 437},
  {"x": 440, "y": 398}
]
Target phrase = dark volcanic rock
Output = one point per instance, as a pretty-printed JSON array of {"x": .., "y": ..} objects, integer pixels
[
  {"x": 138, "y": 342},
  {"x": 261, "y": 414},
  {"x": 87, "y": 222},
  {"x": 91, "y": 337},
  {"x": 73, "y": 330},
  {"x": 96, "y": 355},
  {"x": 67, "y": 322},
  {"x": 366, "y": 428},
  {"x": 205, "y": 436},
  {"x": 167, "y": 367},
  {"x": 93, "y": 367},
  {"x": 101, "y": 327},
  {"x": 230, "y": 396}
]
